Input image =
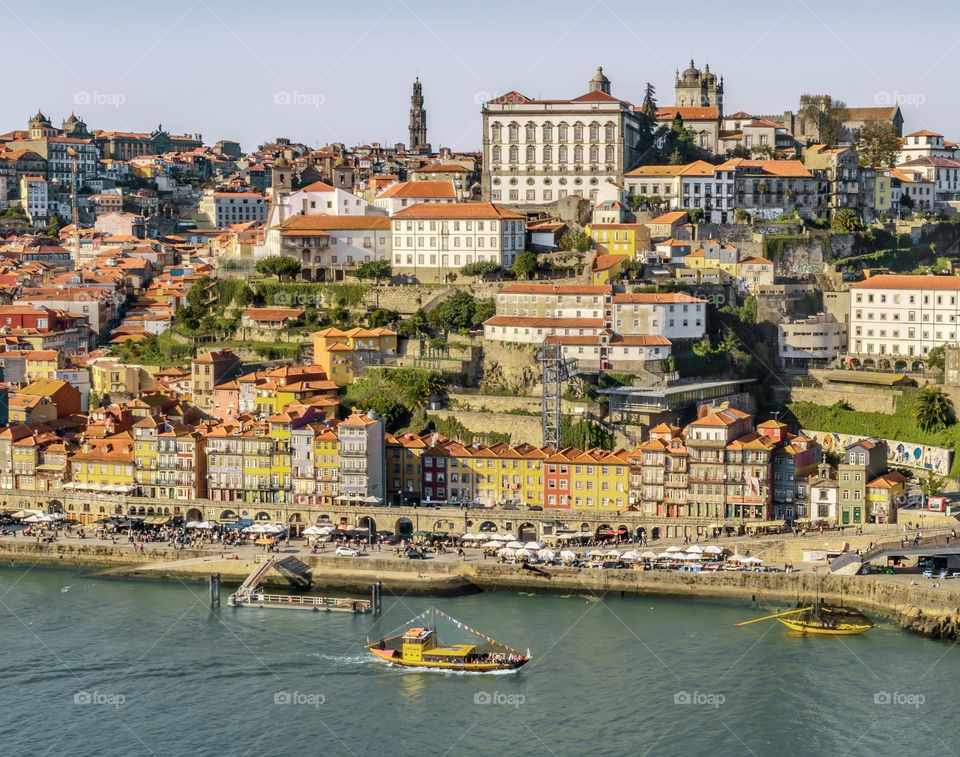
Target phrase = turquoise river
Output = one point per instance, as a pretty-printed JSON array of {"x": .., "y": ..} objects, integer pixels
[{"x": 105, "y": 667}]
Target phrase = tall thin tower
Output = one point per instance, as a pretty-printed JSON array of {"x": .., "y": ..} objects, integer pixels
[{"x": 418, "y": 119}]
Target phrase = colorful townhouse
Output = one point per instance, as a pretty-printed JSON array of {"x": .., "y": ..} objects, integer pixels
[{"x": 343, "y": 355}]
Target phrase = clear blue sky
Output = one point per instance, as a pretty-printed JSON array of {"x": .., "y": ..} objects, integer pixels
[{"x": 226, "y": 68}]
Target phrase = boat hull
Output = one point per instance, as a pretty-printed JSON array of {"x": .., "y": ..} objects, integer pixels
[
  {"x": 841, "y": 629},
  {"x": 469, "y": 667}
]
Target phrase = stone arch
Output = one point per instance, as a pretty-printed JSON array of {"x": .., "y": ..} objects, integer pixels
[
  {"x": 323, "y": 518},
  {"x": 527, "y": 532},
  {"x": 403, "y": 527},
  {"x": 883, "y": 364},
  {"x": 55, "y": 506},
  {"x": 917, "y": 366},
  {"x": 295, "y": 523},
  {"x": 585, "y": 528},
  {"x": 656, "y": 533},
  {"x": 641, "y": 533},
  {"x": 604, "y": 527},
  {"x": 868, "y": 362},
  {"x": 623, "y": 533},
  {"x": 228, "y": 515},
  {"x": 488, "y": 526},
  {"x": 262, "y": 515},
  {"x": 195, "y": 513},
  {"x": 900, "y": 365},
  {"x": 367, "y": 522}
]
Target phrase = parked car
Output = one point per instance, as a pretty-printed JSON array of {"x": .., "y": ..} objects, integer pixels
[
  {"x": 415, "y": 554},
  {"x": 345, "y": 551}
]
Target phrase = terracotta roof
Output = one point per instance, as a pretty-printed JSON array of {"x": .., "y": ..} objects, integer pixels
[
  {"x": 688, "y": 113},
  {"x": 587, "y": 289},
  {"x": 463, "y": 210},
  {"x": 908, "y": 281},
  {"x": 320, "y": 222},
  {"x": 655, "y": 298},
  {"x": 557, "y": 323},
  {"x": 672, "y": 217},
  {"x": 272, "y": 314},
  {"x": 414, "y": 189}
]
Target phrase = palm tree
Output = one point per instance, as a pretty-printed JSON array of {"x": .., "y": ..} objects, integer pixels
[{"x": 933, "y": 409}]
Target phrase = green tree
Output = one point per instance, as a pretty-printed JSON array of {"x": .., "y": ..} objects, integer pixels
[
  {"x": 878, "y": 144},
  {"x": 525, "y": 265},
  {"x": 280, "y": 266},
  {"x": 826, "y": 116},
  {"x": 676, "y": 157},
  {"x": 582, "y": 243},
  {"x": 933, "y": 485},
  {"x": 936, "y": 358},
  {"x": 375, "y": 269},
  {"x": 845, "y": 222},
  {"x": 460, "y": 312},
  {"x": 480, "y": 268},
  {"x": 52, "y": 229},
  {"x": 95, "y": 401},
  {"x": 649, "y": 107},
  {"x": 381, "y": 317},
  {"x": 933, "y": 410}
]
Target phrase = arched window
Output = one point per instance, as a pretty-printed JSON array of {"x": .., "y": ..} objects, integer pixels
[
  {"x": 594, "y": 153},
  {"x": 496, "y": 154},
  {"x": 548, "y": 154},
  {"x": 514, "y": 154},
  {"x": 611, "y": 132},
  {"x": 610, "y": 154},
  {"x": 594, "y": 132},
  {"x": 513, "y": 132},
  {"x": 531, "y": 133},
  {"x": 531, "y": 154},
  {"x": 578, "y": 132},
  {"x": 562, "y": 154},
  {"x": 548, "y": 132},
  {"x": 578, "y": 153}
]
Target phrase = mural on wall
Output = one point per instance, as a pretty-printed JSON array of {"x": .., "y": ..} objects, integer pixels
[{"x": 899, "y": 454}]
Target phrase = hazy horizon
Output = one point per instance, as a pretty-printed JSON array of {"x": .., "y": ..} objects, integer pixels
[{"x": 321, "y": 73}]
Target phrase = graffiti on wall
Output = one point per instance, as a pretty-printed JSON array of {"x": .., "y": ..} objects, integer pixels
[{"x": 899, "y": 454}]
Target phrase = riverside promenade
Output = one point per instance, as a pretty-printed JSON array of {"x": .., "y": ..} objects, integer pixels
[{"x": 931, "y": 608}]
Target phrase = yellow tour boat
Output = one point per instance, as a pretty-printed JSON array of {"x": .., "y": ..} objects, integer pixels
[{"x": 419, "y": 647}]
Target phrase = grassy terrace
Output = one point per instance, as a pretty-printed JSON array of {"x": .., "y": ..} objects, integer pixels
[{"x": 900, "y": 426}]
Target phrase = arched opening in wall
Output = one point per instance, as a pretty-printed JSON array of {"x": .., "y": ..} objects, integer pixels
[
  {"x": 488, "y": 526},
  {"x": 641, "y": 533},
  {"x": 55, "y": 506},
  {"x": 883, "y": 364},
  {"x": 623, "y": 533},
  {"x": 404, "y": 527},
  {"x": 917, "y": 366},
  {"x": 194, "y": 514},
  {"x": 228, "y": 515},
  {"x": 900, "y": 366},
  {"x": 322, "y": 519},
  {"x": 295, "y": 523},
  {"x": 262, "y": 515},
  {"x": 655, "y": 533},
  {"x": 605, "y": 532},
  {"x": 585, "y": 528},
  {"x": 527, "y": 532},
  {"x": 368, "y": 523},
  {"x": 869, "y": 363}
]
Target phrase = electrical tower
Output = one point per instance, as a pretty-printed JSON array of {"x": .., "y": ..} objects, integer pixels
[{"x": 555, "y": 370}]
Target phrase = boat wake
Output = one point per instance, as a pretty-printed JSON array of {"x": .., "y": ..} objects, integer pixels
[{"x": 344, "y": 659}]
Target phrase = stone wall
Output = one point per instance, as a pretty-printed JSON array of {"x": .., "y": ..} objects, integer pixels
[
  {"x": 862, "y": 399},
  {"x": 521, "y": 428}
]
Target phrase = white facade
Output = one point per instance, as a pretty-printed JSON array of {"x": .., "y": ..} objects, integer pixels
[
  {"x": 540, "y": 151},
  {"x": 430, "y": 240},
  {"x": 675, "y": 316},
  {"x": 819, "y": 337},
  {"x": 404, "y": 194},
  {"x": 227, "y": 208},
  {"x": 318, "y": 198},
  {"x": 924, "y": 144},
  {"x": 529, "y": 330},
  {"x": 903, "y": 316},
  {"x": 34, "y": 198}
]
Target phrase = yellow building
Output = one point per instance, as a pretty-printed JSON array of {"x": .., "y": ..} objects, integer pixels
[
  {"x": 343, "y": 354},
  {"x": 600, "y": 480},
  {"x": 606, "y": 268},
  {"x": 109, "y": 378},
  {"x": 40, "y": 364},
  {"x": 146, "y": 457},
  {"x": 883, "y": 495},
  {"x": 717, "y": 263},
  {"x": 103, "y": 466},
  {"x": 619, "y": 238}
]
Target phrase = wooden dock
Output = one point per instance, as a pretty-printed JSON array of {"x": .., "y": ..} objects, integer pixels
[
  {"x": 251, "y": 595},
  {"x": 302, "y": 602}
]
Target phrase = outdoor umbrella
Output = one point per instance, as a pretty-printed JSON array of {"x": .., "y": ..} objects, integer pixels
[
  {"x": 649, "y": 556},
  {"x": 547, "y": 554},
  {"x": 674, "y": 549},
  {"x": 713, "y": 550},
  {"x": 514, "y": 545},
  {"x": 695, "y": 550},
  {"x": 613, "y": 553},
  {"x": 314, "y": 531},
  {"x": 533, "y": 545},
  {"x": 506, "y": 552},
  {"x": 568, "y": 556},
  {"x": 630, "y": 554},
  {"x": 666, "y": 556},
  {"x": 492, "y": 544}
]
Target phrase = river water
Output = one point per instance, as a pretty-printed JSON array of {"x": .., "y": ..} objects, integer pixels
[{"x": 104, "y": 667}]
